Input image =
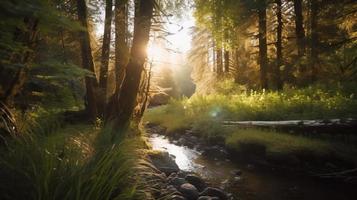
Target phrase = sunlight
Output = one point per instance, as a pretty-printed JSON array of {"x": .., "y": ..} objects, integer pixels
[{"x": 155, "y": 52}]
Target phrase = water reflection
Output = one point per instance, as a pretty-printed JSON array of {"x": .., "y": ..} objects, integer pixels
[{"x": 183, "y": 156}]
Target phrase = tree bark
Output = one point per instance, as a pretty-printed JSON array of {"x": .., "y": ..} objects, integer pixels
[
  {"x": 219, "y": 60},
  {"x": 103, "y": 78},
  {"x": 314, "y": 39},
  {"x": 226, "y": 61},
  {"x": 87, "y": 60},
  {"x": 127, "y": 98},
  {"x": 263, "y": 52},
  {"x": 121, "y": 46},
  {"x": 106, "y": 45},
  {"x": 300, "y": 33},
  {"x": 279, "y": 46}
]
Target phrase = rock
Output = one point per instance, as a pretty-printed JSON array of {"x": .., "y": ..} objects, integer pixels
[
  {"x": 215, "y": 152},
  {"x": 172, "y": 190},
  {"x": 214, "y": 192},
  {"x": 236, "y": 172},
  {"x": 177, "y": 182},
  {"x": 189, "y": 191},
  {"x": 196, "y": 181},
  {"x": 181, "y": 141},
  {"x": 207, "y": 198},
  {"x": 177, "y": 197},
  {"x": 159, "y": 99},
  {"x": 164, "y": 162},
  {"x": 182, "y": 174}
]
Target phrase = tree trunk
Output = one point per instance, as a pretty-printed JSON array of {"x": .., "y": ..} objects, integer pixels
[
  {"x": 263, "y": 54},
  {"x": 314, "y": 39},
  {"x": 219, "y": 60},
  {"x": 226, "y": 61},
  {"x": 279, "y": 47},
  {"x": 129, "y": 90},
  {"x": 103, "y": 78},
  {"x": 106, "y": 45},
  {"x": 87, "y": 60},
  {"x": 300, "y": 33},
  {"x": 121, "y": 46}
]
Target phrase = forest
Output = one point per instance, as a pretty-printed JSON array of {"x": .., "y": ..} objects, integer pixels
[{"x": 178, "y": 99}]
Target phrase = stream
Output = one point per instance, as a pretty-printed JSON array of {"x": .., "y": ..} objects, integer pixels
[{"x": 253, "y": 183}]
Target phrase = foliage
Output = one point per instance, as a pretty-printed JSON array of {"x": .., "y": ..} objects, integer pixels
[{"x": 68, "y": 165}]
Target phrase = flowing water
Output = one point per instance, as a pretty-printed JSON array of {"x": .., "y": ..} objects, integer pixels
[{"x": 254, "y": 184}]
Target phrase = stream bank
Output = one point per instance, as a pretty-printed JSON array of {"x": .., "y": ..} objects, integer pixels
[{"x": 245, "y": 180}]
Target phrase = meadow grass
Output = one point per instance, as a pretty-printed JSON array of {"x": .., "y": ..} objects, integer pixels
[{"x": 290, "y": 104}]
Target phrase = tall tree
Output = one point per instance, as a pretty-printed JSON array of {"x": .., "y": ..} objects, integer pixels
[
  {"x": 128, "y": 93},
  {"x": 87, "y": 60},
  {"x": 313, "y": 38},
  {"x": 299, "y": 32},
  {"x": 106, "y": 46},
  {"x": 103, "y": 78},
  {"x": 226, "y": 61},
  {"x": 219, "y": 60},
  {"x": 279, "y": 47},
  {"x": 263, "y": 51},
  {"x": 121, "y": 46}
]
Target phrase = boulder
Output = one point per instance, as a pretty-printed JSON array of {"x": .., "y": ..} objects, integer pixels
[
  {"x": 214, "y": 192},
  {"x": 198, "y": 182},
  {"x": 215, "y": 152},
  {"x": 159, "y": 99},
  {"x": 189, "y": 191},
  {"x": 164, "y": 162},
  {"x": 177, "y": 182}
]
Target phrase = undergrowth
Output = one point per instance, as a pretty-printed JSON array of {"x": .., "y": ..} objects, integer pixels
[{"x": 75, "y": 162}]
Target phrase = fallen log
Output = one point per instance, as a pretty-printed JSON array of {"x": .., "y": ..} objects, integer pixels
[{"x": 322, "y": 126}]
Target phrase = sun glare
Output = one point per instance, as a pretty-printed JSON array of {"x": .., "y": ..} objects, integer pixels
[{"x": 155, "y": 52}]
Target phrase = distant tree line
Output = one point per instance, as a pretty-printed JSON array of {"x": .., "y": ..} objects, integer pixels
[{"x": 271, "y": 43}]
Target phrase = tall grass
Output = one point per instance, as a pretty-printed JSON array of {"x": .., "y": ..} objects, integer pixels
[
  {"x": 308, "y": 103},
  {"x": 67, "y": 164}
]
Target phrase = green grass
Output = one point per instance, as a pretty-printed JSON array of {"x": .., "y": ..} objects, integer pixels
[
  {"x": 204, "y": 114},
  {"x": 291, "y": 104},
  {"x": 287, "y": 144},
  {"x": 69, "y": 164}
]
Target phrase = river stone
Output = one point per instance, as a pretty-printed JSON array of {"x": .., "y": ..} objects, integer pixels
[
  {"x": 214, "y": 192},
  {"x": 177, "y": 182},
  {"x": 164, "y": 162},
  {"x": 177, "y": 197},
  {"x": 182, "y": 174},
  {"x": 208, "y": 198},
  {"x": 215, "y": 152},
  {"x": 236, "y": 172},
  {"x": 172, "y": 190},
  {"x": 189, "y": 191},
  {"x": 196, "y": 181}
]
